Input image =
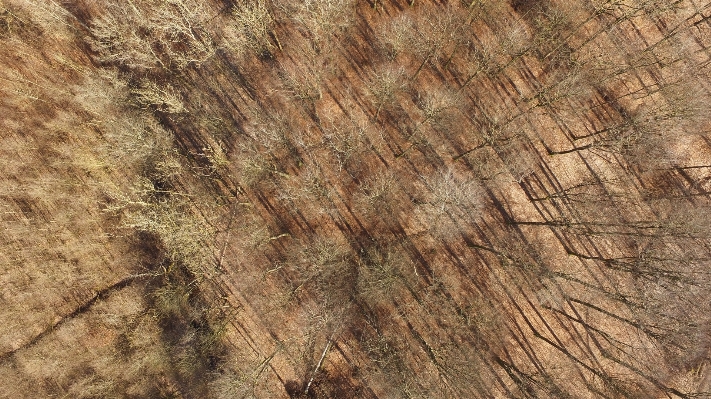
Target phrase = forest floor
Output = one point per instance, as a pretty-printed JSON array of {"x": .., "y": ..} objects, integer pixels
[{"x": 355, "y": 199}]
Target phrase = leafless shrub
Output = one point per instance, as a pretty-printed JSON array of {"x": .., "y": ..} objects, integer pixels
[
  {"x": 514, "y": 38},
  {"x": 438, "y": 106},
  {"x": 378, "y": 271},
  {"x": 441, "y": 31},
  {"x": 164, "y": 99},
  {"x": 272, "y": 133},
  {"x": 496, "y": 51},
  {"x": 377, "y": 189},
  {"x": 385, "y": 86},
  {"x": 240, "y": 381},
  {"x": 171, "y": 300},
  {"x": 561, "y": 84},
  {"x": 377, "y": 200},
  {"x": 165, "y": 213},
  {"x": 304, "y": 82},
  {"x": 254, "y": 166},
  {"x": 324, "y": 270},
  {"x": 397, "y": 35},
  {"x": 380, "y": 351},
  {"x": 133, "y": 140},
  {"x": 345, "y": 139},
  {"x": 520, "y": 161},
  {"x": 10, "y": 21},
  {"x": 321, "y": 19},
  {"x": 453, "y": 199},
  {"x": 152, "y": 34},
  {"x": 645, "y": 136},
  {"x": 474, "y": 60},
  {"x": 550, "y": 23},
  {"x": 449, "y": 191},
  {"x": 314, "y": 186},
  {"x": 435, "y": 37},
  {"x": 254, "y": 22}
]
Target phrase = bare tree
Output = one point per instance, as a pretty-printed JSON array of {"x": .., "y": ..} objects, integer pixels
[
  {"x": 379, "y": 270},
  {"x": 453, "y": 199},
  {"x": 644, "y": 135},
  {"x": 439, "y": 109},
  {"x": 385, "y": 87},
  {"x": 150, "y": 95},
  {"x": 253, "y": 28},
  {"x": 321, "y": 19},
  {"x": 435, "y": 37},
  {"x": 151, "y": 35}
]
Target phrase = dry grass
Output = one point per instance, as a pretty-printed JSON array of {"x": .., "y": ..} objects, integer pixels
[{"x": 354, "y": 199}]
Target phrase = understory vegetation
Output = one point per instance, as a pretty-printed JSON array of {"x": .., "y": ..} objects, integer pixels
[{"x": 355, "y": 199}]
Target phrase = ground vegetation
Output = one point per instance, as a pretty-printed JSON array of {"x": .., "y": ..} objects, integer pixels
[{"x": 355, "y": 199}]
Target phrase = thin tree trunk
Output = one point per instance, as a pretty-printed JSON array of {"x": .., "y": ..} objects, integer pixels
[{"x": 318, "y": 365}]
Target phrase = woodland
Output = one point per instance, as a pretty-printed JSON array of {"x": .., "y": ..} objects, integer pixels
[{"x": 355, "y": 199}]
